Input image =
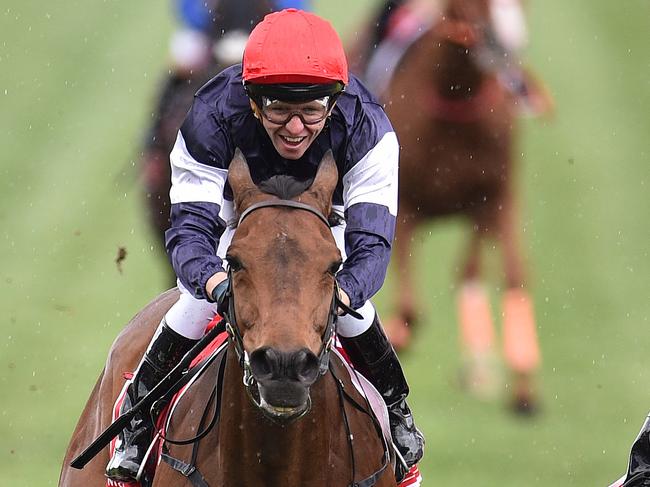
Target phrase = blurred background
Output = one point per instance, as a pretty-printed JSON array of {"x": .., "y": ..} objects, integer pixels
[{"x": 78, "y": 259}]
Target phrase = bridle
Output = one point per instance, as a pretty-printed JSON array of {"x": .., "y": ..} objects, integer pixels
[{"x": 234, "y": 331}]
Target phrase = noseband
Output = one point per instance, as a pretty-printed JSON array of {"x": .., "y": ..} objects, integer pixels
[{"x": 233, "y": 329}]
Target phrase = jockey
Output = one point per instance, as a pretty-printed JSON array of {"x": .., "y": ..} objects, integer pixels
[
  {"x": 210, "y": 35},
  {"x": 217, "y": 28},
  {"x": 288, "y": 103},
  {"x": 398, "y": 23}
]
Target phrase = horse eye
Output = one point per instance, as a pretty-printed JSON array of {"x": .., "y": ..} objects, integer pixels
[{"x": 234, "y": 263}]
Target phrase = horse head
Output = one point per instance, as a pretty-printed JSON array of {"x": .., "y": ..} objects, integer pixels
[{"x": 282, "y": 262}]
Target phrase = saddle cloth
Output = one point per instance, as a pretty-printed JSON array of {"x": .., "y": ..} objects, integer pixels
[{"x": 363, "y": 386}]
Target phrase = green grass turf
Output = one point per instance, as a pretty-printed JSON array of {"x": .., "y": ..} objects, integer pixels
[{"x": 76, "y": 84}]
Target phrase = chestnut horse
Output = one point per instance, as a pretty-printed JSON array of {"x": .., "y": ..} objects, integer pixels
[
  {"x": 289, "y": 414},
  {"x": 455, "y": 121}
]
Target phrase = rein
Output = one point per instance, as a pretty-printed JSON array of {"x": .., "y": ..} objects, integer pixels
[{"x": 371, "y": 480}]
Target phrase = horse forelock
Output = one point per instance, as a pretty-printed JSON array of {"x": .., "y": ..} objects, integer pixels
[{"x": 285, "y": 186}]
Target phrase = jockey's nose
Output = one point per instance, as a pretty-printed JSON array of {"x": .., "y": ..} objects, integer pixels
[
  {"x": 295, "y": 125},
  {"x": 270, "y": 364}
]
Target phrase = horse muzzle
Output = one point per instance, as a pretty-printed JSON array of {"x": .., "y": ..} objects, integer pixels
[{"x": 283, "y": 380}]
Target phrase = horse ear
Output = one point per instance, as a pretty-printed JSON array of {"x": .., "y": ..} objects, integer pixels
[
  {"x": 325, "y": 182},
  {"x": 240, "y": 180}
]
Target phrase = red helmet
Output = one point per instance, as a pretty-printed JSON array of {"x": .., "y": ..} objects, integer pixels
[{"x": 298, "y": 49}]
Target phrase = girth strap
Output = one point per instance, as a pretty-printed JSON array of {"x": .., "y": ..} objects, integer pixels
[{"x": 190, "y": 471}]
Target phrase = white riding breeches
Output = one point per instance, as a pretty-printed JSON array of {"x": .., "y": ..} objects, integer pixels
[{"x": 190, "y": 316}]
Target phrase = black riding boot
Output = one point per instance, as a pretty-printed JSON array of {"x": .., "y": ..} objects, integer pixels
[
  {"x": 164, "y": 352},
  {"x": 372, "y": 354}
]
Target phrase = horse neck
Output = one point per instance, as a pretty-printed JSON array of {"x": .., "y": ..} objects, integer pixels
[
  {"x": 446, "y": 83},
  {"x": 459, "y": 77},
  {"x": 269, "y": 453}
]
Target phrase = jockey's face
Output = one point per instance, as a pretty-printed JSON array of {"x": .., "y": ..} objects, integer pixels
[{"x": 291, "y": 137}]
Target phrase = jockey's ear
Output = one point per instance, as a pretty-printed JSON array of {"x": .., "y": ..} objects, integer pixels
[
  {"x": 332, "y": 108},
  {"x": 240, "y": 180},
  {"x": 255, "y": 108},
  {"x": 325, "y": 182}
]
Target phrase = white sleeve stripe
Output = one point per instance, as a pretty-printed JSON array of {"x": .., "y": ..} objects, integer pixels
[
  {"x": 193, "y": 181},
  {"x": 374, "y": 178}
]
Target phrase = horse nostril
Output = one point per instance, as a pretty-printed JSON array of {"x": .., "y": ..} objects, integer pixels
[
  {"x": 270, "y": 364},
  {"x": 306, "y": 366},
  {"x": 264, "y": 362}
]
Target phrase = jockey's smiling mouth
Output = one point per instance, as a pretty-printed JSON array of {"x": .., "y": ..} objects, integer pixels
[{"x": 292, "y": 137}]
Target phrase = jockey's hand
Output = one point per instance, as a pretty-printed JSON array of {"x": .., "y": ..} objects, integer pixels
[
  {"x": 217, "y": 287},
  {"x": 221, "y": 297}
]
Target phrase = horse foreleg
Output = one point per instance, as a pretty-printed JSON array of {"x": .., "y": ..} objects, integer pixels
[
  {"x": 398, "y": 327},
  {"x": 476, "y": 333},
  {"x": 520, "y": 343}
]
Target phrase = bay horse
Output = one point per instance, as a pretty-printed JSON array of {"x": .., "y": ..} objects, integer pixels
[
  {"x": 456, "y": 124},
  {"x": 289, "y": 414}
]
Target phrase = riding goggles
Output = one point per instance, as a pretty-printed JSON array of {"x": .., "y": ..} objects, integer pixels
[{"x": 281, "y": 112}]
